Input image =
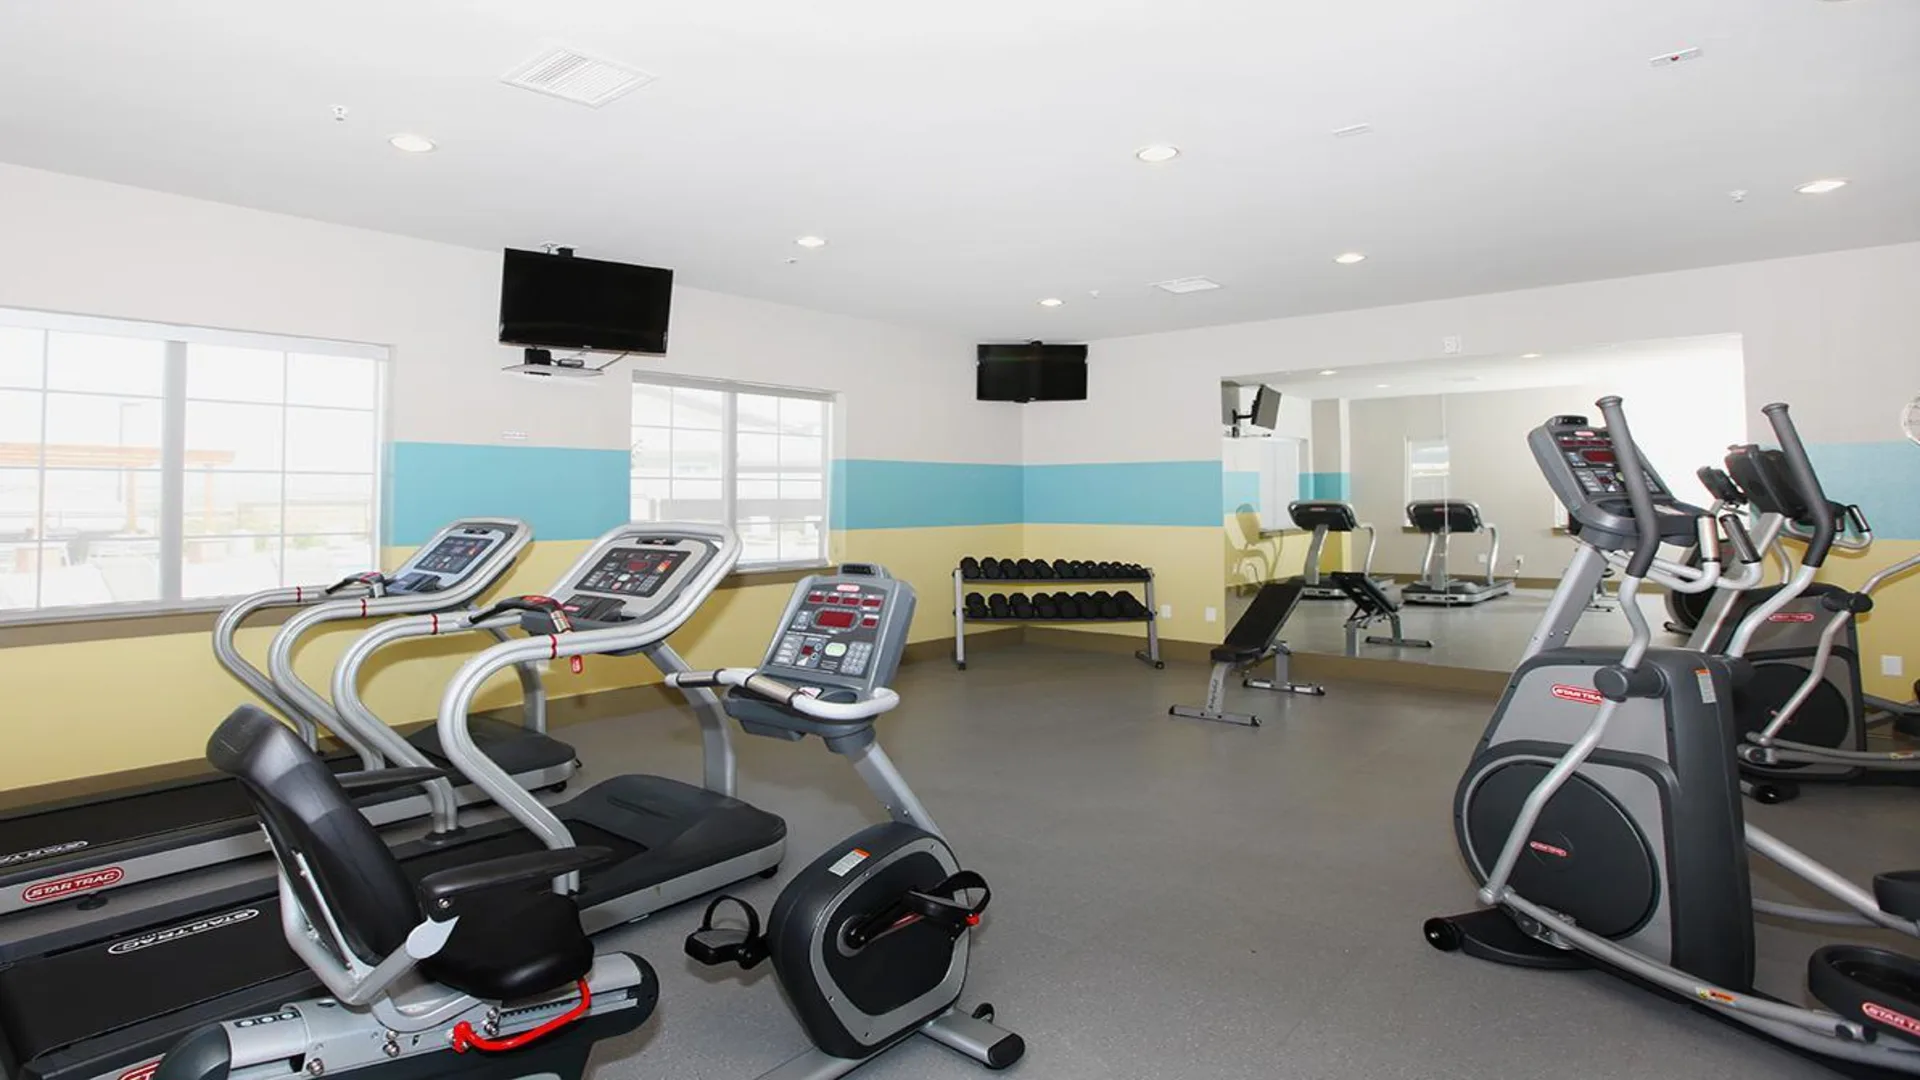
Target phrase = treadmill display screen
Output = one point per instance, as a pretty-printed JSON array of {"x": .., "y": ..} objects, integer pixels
[
  {"x": 836, "y": 620},
  {"x": 454, "y": 554},
  {"x": 633, "y": 571}
]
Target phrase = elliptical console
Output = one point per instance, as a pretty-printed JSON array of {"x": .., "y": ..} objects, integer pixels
[{"x": 870, "y": 940}]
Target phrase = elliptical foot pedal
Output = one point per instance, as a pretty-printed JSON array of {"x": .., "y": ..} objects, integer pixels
[
  {"x": 1898, "y": 893},
  {"x": 1874, "y": 987},
  {"x": 1491, "y": 934},
  {"x": 716, "y": 945}
]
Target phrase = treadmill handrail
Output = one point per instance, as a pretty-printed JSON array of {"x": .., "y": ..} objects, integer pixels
[
  {"x": 882, "y": 700},
  {"x": 646, "y": 635},
  {"x": 367, "y": 726},
  {"x": 226, "y": 648},
  {"x": 318, "y": 711}
]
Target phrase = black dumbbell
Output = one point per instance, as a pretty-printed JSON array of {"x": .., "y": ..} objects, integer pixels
[
  {"x": 1130, "y": 605},
  {"x": 976, "y": 606},
  {"x": 1043, "y": 570},
  {"x": 998, "y": 607},
  {"x": 1083, "y": 569},
  {"x": 989, "y": 568},
  {"x": 1109, "y": 606},
  {"x": 1022, "y": 605},
  {"x": 1044, "y": 607},
  {"x": 1029, "y": 569},
  {"x": 1065, "y": 607},
  {"x": 969, "y": 568},
  {"x": 1115, "y": 570},
  {"x": 1062, "y": 568},
  {"x": 1088, "y": 609}
]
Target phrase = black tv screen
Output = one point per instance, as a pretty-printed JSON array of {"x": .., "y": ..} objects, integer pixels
[
  {"x": 564, "y": 301},
  {"x": 1266, "y": 408},
  {"x": 1032, "y": 372}
]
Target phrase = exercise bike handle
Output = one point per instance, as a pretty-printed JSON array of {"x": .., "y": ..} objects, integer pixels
[
  {"x": 1800, "y": 467},
  {"x": 1633, "y": 474},
  {"x": 803, "y": 700}
]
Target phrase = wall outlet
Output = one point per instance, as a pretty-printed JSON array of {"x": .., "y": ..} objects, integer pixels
[
  {"x": 1450, "y": 344},
  {"x": 1166, "y": 611},
  {"x": 1892, "y": 665},
  {"x": 1214, "y": 613},
  {"x": 1481, "y": 558}
]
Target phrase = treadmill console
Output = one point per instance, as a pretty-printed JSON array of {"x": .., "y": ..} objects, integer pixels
[
  {"x": 631, "y": 574},
  {"x": 1581, "y": 466},
  {"x": 448, "y": 559}
]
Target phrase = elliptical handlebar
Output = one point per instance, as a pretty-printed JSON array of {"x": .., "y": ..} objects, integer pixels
[
  {"x": 1633, "y": 475},
  {"x": 788, "y": 696},
  {"x": 1800, "y": 467}
]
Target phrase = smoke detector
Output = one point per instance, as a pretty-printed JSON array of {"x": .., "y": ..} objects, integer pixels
[
  {"x": 1178, "y": 286},
  {"x": 571, "y": 75}
]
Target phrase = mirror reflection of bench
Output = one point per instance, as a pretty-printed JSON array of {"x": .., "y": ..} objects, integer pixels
[
  {"x": 1254, "y": 637},
  {"x": 1371, "y": 604}
]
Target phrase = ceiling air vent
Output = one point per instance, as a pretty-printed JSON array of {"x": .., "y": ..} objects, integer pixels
[
  {"x": 1187, "y": 285},
  {"x": 576, "y": 77}
]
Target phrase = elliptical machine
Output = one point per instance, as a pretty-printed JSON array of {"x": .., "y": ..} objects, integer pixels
[
  {"x": 870, "y": 940},
  {"x": 1601, "y": 811}
]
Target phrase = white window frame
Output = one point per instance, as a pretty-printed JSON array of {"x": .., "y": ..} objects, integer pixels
[
  {"x": 173, "y": 402},
  {"x": 729, "y": 444}
]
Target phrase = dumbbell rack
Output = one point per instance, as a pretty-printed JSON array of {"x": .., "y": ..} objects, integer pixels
[{"x": 1148, "y": 655}]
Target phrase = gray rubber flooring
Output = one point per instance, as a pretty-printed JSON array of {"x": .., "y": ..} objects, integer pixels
[
  {"x": 1174, "y": 898},
  {"x": 1488, "y": 636}
]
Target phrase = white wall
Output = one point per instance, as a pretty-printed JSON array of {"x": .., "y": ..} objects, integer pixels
[
  {"x": 1681, "y": 420},
  {"x": 1835, "y": 334},
  {"x": 94, "y": 248}
]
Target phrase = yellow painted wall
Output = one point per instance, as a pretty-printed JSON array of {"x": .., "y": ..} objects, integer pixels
[{"x": 87, "y": 708}]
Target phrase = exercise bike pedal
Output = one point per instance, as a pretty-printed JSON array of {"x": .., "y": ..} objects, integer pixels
[{"x": 717, "y": 945}]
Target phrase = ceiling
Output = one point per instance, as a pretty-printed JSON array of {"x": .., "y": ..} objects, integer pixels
[
  {"x": 965, "y": 160},
  {"x": 1638, "y": 363}
]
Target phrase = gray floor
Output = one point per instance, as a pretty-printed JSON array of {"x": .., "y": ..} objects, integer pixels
[
  {"x": 1180, "y": 899},
  {"x": 1488, "y": 636}
]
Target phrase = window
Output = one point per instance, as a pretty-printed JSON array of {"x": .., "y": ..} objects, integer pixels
[
  {"x": 1427, "y": 467},
  {"x": 752, "y": 457},
  {"x": 150, "y": 467}
]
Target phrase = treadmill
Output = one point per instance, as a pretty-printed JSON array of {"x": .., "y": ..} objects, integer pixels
[
  {"x": 109, "y": 1009},
  {"x": 1440, "y": 519},
  {"x": 1326, "y": 516},
  {"x": 74, "y": 852}
]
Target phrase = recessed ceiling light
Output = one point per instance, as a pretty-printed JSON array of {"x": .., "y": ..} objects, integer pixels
[
  {"x": 812, "y": 241},
  {"x": 1529, "y": 356},
  {"x": 1187, "y": 285},
  {"x": 1381, "y": 385},
  {"x": 412, "y": 144},
  {"x": 1157, "y": 153},
  {"x": 1328, "y": 371},
  {"x": 1351, "y": 130},
  {"x": 1349, "y": 258},
  {"x": 1052, "y": 301},
  {"x": 1820, "y": 187}
]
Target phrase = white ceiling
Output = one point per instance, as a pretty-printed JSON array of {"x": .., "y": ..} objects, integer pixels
[
  {"x": 1637, "y": 363},
  {"x": 965, "y": 160}
]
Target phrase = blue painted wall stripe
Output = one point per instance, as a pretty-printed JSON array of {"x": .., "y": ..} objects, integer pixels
[
  {"x": 1328, "y": 485},
  {"x": 565, "y": 494},
  {"x": 872, "y": 494},
  {"x": 1124, "y": 493},
  {"x": 1882, "y": 477},
  {"x": 1239, "y": 490}
]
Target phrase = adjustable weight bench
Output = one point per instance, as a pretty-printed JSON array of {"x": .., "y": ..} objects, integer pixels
[
  {"x": 1370, "y": 605},
  {"x": 1253, "y": 638}
]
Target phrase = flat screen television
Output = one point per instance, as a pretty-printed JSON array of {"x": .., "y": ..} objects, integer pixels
[
  {"x": 1031, "y": 372},
  {"x": 564, "y": 301},
  {"x": 1266, "y": 408}
]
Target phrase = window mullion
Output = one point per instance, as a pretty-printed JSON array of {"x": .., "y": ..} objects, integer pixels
[
  {"x": 173, "y": 470},
  {"x": 40, "y": 490},
  {"x": 729, "y": 459}
]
